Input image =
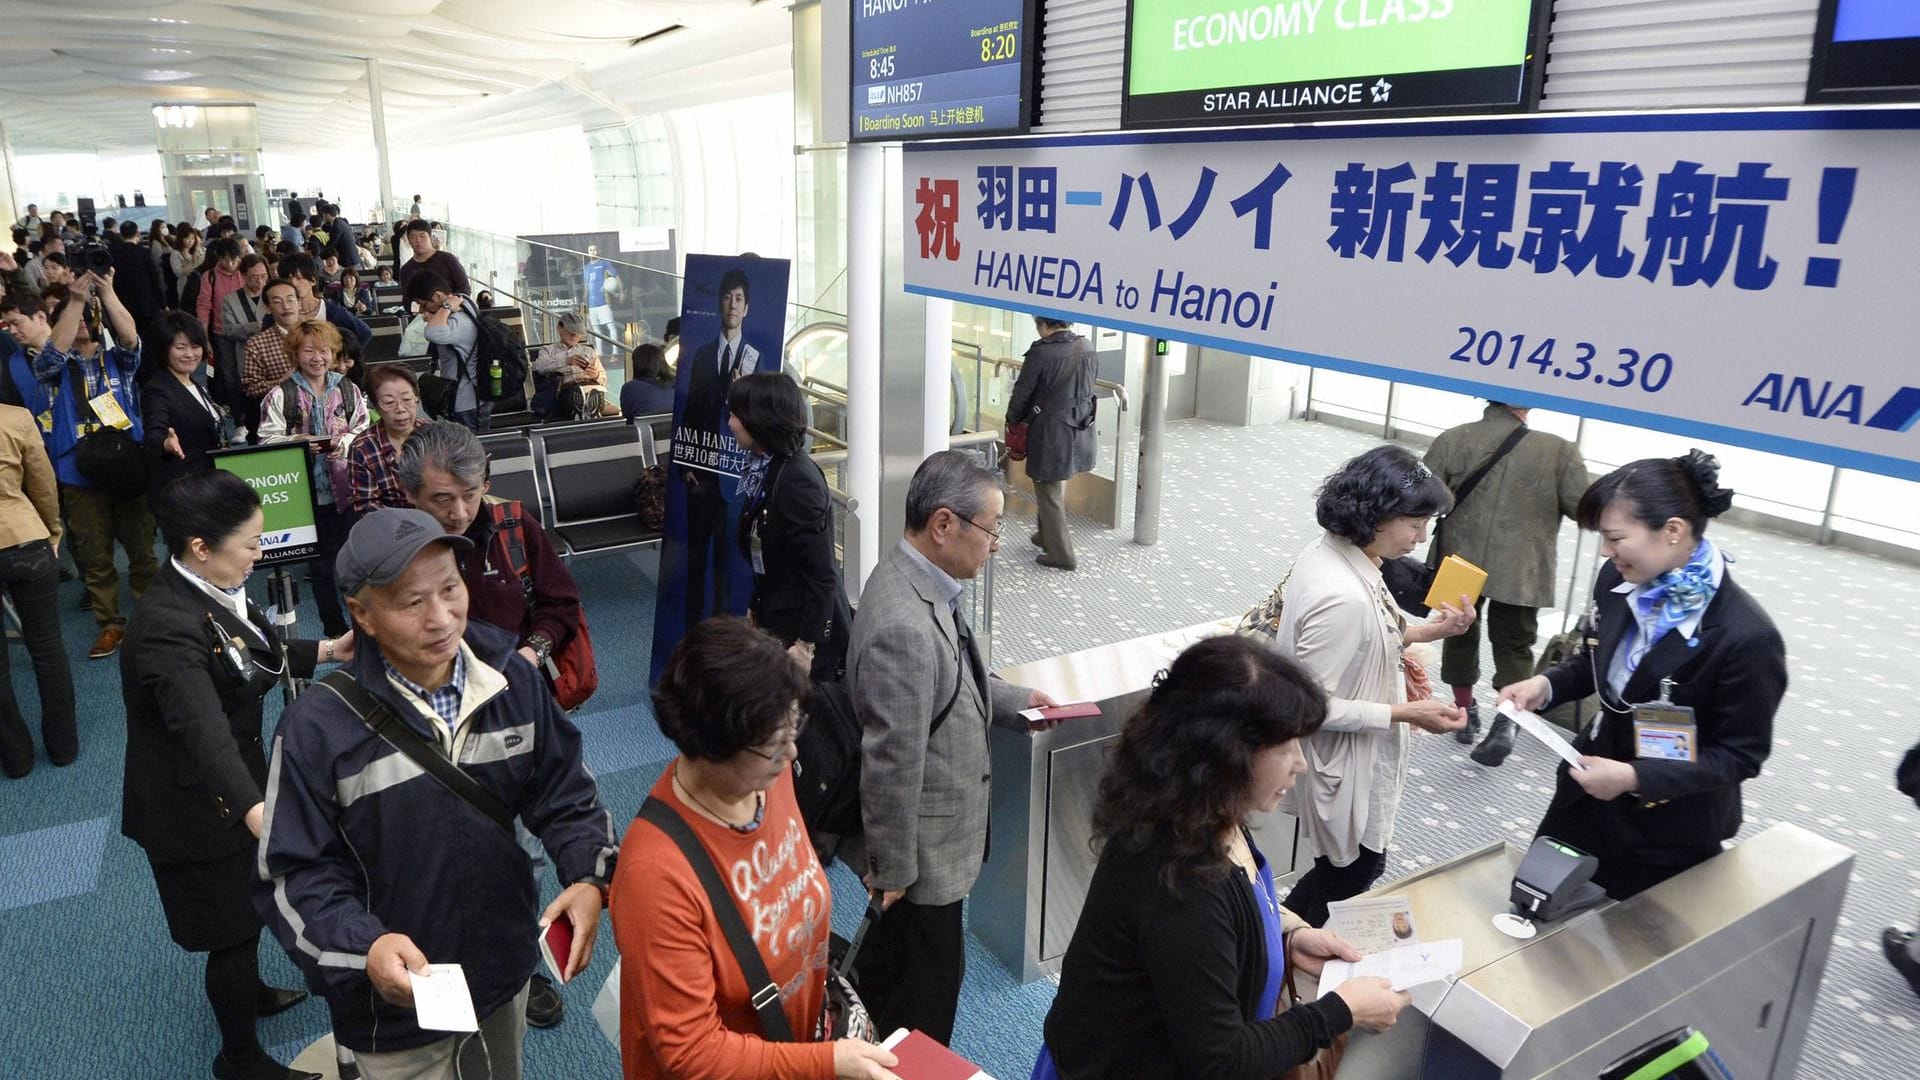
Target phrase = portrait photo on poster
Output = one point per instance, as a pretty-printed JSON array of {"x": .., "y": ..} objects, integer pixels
[{"x": 732, "y": 324}]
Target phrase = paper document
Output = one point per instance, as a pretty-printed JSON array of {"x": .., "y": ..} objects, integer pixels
[
  {"x": 1373, "y": 925},
  {"x": 441, "y": 999},
  {"x": 1404, "y": 966},
  {"x": 1054, "y": 714},
  {"x": 1537, "y": 726}
]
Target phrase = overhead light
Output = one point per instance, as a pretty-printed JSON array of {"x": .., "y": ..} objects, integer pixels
[{"x": 176, "y": 116}]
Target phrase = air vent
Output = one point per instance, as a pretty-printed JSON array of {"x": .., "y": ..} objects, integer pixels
[{"x": 656, "y": 35}]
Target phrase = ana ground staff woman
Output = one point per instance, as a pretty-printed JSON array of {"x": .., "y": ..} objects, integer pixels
[
  {"x": 1661, "y": 788},
  {"x": 1342, "y": 624},
  {"x": 730, "y": 700},
  {"x": 197, "y": 662},
  {"x": 1177, "y": 964}
]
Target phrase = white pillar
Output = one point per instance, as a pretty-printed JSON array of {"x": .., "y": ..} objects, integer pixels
[
  {"x": 377, "y": 106},
  {"x": 866, "y": 248},
  {"x": 8, "y": 206},
  {"x": 936, "y": 419}
]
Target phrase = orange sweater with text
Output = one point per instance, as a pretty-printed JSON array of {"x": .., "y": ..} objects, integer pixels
[{"x": 685, "y": 1010}]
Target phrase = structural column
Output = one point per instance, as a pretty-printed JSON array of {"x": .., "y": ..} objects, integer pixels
[
  {"x": 377, "y": 106},
  {"x": 1153, "y": 439},
  {"x": 7, "y": 191},
  {"x": 866, "y": 250}
]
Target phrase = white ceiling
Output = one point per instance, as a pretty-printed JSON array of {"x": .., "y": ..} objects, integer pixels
[{"x": 83, "y": 74}]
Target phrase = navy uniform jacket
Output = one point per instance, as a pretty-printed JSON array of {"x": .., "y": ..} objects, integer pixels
[{"x": 1733, "y": 676}]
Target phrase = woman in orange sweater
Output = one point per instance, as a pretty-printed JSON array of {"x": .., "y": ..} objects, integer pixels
[{"x": 730, "y": 701}]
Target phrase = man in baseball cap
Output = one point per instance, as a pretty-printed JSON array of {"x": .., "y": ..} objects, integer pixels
[{"x": 388, "y": 843}]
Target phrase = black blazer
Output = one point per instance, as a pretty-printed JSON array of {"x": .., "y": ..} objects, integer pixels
[
  {"x": 1733, "y": 677},
  {"x": 796, "y": 599},
  {"x": 164, "y": 404},
  {"x": 194, "y": 760},
  {"x": 1158, "y": 985}
]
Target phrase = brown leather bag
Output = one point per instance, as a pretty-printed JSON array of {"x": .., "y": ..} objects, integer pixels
[{"x": 1322, "y": 1065}]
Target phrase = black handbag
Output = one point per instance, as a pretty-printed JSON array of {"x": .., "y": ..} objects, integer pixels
[
  {"x": 844, "y": 1015},
  {"x": 1409, "y": 579}
]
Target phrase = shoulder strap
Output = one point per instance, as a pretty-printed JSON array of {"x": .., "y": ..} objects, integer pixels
[
  {"x": 1479, "y": 474},
  {"x": 380, "y": 720},
  {"x": 965, "y": 664},
  {"x": 766, "y": 993},
  {"x": 506, "y": 523}
]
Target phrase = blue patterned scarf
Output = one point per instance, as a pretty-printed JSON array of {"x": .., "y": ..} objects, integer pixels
[
  {"x": 1674, "y": 597},
  {"x": 754, "y": 478}
]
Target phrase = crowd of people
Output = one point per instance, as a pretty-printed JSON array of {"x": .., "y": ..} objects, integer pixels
[{"x": 432, "y": 760}]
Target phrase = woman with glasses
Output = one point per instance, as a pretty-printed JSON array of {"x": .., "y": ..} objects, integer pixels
[
  {"x": 1340, "y": 622},
  {"x": 730, "y": 701},
  {"x": 373, "y": 460}
]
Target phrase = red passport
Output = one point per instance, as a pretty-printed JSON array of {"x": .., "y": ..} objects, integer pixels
[
  {"x": 921, "y": 1058},
  {"x": 1041, "y": 719}
]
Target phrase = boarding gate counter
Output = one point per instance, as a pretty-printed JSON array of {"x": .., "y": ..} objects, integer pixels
[{"x": 1734, "y": 947}]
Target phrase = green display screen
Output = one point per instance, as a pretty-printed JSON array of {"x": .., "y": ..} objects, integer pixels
[
  {"x": 282, "y": 475},
  {"x": 1226, "y": 61}
]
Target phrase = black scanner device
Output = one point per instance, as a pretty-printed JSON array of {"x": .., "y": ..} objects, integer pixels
[{"x": 1554, "y": 881}]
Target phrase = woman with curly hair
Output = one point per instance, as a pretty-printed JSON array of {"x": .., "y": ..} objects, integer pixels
[
  {"x": 1176, "y": 966},
  {"x": 1341, "y": 623},
  {"x": 1653, "y": 800}
]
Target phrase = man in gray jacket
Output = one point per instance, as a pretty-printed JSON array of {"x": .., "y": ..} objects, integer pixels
[
  {"x": 1509, "y": 526},
  {"x": 925, "y": 699}
]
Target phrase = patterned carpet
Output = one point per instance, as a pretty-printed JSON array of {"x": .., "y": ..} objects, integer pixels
[{"x": 95, "y": 991}]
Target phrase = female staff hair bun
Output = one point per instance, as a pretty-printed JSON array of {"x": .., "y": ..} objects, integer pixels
[
  {"x": 1704, "y": 470},
  {"x": 1657, "y": 490}
]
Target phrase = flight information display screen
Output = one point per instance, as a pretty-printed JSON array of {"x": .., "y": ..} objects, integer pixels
[
  {"x": 1866, "y": 50},
  {"x": 925, "y": 69},
  {"x": 1266, "y": 61}
]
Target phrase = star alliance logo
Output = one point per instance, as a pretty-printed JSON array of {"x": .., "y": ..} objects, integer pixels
[{"x": 1381, "y": 91}]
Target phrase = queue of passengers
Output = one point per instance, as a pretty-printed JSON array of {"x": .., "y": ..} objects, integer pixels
[{"x": 349, "y": 846}]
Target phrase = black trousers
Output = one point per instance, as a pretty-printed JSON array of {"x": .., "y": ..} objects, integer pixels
[
  {"x": 1326, "y": 883},
  {"x": 911, "y": 967},
  {"x": 31, "y": 577},
  {"x": 707, "y": 541},
  {"x": 333, "y": 522}
]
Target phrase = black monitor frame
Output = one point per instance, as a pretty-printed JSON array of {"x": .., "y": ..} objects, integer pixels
[
  {"x": 1029, "y": 87},
  {"x": 1533, "y": 82},
  {"x": 1898, "y": 58}
]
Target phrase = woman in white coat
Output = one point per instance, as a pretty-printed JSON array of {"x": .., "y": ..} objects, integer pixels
[{"x": 1340, "y": 622}]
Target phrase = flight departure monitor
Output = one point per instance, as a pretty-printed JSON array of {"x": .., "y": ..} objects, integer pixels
[
  {"x": 1267, "y": 61},
  {"x": 1865, "y": 51},
  {"x": 929, "y": 69}
]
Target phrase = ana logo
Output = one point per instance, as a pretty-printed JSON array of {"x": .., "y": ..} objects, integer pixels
[
  {"x": 1826, "y": 400},
  {"x": 271, "y": 539},
  {"x": 1381, "y": 91},
  {"x": 876, "y": 95}
]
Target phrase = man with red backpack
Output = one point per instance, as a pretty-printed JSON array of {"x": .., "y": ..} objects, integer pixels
[{"x": 515, "y": 580}]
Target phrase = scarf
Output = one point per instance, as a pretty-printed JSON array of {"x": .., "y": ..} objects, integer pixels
[
  {"x": 755, "y": 478},
  {"x": 1674, "y": 597}
]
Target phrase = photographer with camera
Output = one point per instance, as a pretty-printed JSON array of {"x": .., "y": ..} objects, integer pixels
[{"x": 95, "y": 444}]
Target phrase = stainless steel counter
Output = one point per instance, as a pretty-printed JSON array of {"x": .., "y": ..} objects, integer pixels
[
  {"x": 1735, "y": 947},
  {"x": 1045, "y": 786}
]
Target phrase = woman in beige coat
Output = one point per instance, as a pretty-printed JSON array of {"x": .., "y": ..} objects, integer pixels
[{"x": 1340, "y": 622}]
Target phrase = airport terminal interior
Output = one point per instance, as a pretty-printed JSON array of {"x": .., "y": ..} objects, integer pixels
[{"x": 594, "y": 167}]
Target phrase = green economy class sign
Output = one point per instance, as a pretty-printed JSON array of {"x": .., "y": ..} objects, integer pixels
[
  {"x": 1245, "y": 61},
  {"x": 281, "y": 474}
]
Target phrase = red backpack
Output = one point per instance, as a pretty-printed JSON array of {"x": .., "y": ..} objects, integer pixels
[{"x": 571, "y": 668}]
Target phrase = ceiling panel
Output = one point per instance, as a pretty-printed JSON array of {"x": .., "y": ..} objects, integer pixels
[{"x": 78, "y": 74}]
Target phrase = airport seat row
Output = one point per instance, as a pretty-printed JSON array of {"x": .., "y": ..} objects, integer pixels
[{"x": 581, "y": 476}]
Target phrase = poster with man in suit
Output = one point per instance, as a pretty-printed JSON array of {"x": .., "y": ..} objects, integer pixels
[{"x": 732, "y": 323}]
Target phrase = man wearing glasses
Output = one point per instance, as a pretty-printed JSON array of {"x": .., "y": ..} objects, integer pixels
[{"x": 925, "y": 699}]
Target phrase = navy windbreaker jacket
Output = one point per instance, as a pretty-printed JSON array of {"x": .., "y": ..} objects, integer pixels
[{"x": 359, "y": 841}]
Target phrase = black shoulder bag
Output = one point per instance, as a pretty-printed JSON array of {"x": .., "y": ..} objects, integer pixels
[
  {"x": 1408, "y": 578},
  {"x": 845, "y": 1016},
  {"x": 380, "y": 720},
  {"x": 108, "y": 457}
]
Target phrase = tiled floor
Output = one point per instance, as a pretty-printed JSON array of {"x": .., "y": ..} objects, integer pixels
[{"x": 1238, "y": 504}]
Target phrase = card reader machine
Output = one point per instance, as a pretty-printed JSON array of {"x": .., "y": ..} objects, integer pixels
[{"x": 1554, "y": 880}]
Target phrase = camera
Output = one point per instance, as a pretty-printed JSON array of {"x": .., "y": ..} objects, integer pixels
[{"x": 89, "y": 255}]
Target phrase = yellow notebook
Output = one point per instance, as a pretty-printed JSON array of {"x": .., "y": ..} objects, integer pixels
[{"x": 1455, "y": 578}]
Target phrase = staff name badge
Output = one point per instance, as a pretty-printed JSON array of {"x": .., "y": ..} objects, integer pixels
[
  {"x": 1663, "y": 731},
  {"x": 108, "y": 409}
]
